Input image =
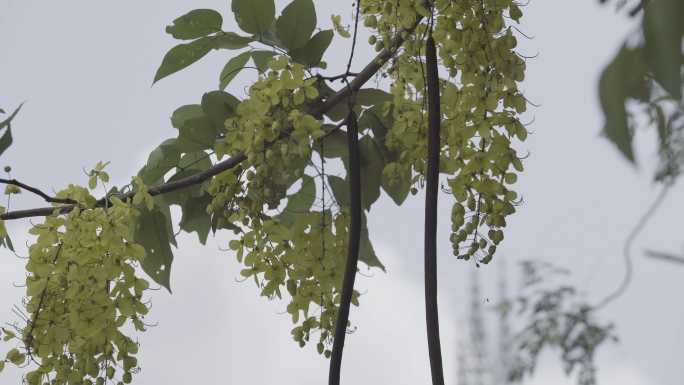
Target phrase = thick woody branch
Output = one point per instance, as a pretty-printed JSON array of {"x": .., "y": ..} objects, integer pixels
[
  {"x": 362, "y": 77},
  {"x": 156, "y": 190}
]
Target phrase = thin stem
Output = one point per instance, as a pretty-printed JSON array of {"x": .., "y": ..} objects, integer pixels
[{"x": 627, "y": 248}]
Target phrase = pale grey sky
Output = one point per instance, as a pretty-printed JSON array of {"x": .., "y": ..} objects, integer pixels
[{"x": 85, "y": 68}]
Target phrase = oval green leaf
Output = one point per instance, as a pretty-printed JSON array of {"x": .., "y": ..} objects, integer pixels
[
  {"x": 233, "y": 68},
  {"x": 312, "y": 52},
  {"x": 184, "y": 113},
  {"x": 299, "y": 202},
  {"x": 195, "y": 24},
  {"x": 230, "y": 40},
  {"x": 182, "y": 56},
  {"x": 151, "y": 233},
  {"x": 261, "y": 59},
  {"x": 296, "y": 24},
  {"x": 219, "y": 106},
  {"x": 254, "y": 16},
  {"x": 372, "y": 164}
]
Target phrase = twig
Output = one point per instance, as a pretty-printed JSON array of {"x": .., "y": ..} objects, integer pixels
[
  {"x": 637, "y": 8},
  {"x": 36, "y": 191},
  {"x": 627, "y": 248},
  {"x": 664, "y": 256}
]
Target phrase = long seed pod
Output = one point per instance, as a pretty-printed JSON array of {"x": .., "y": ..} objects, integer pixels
[
  {"x": 354, "y": 176},
  {"x": 431, "y": 190}
]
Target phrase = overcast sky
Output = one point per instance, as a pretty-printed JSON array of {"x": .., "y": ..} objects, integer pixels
[{"x": 85, "y": 68}]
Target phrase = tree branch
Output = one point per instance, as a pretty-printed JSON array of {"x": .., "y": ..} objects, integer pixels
[
  {"x": 368, "y": 71},
  {"x": 36, "y": 191},
  {"x": 667, "y": 257}
]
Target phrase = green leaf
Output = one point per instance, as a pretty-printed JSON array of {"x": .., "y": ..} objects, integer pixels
[
  {"x": 182, "y": 114},
  {"x": 232, "y": 68},
  {"x": 366, "y": 251},
  {"x": 269, "y": 38},
  {"x": 365, "y": 97},
  {"x": 197, "y": 131},
  {"x": 163, "y": 206},
  {"x": 340, "y": 190},
  {"x": 197, "y": 134},
  {"x": 6, "y": 241},
  {"x": 333, "y": 145},
  {"x": 230, "y": 40},
  {"x": 339, "y": 28},
  {"x": 286, "y": 180},
  {"x": 296, "y": 24},
  {"x": 664, "y": 129},
  {"x": 398, "y": 189},
  {"x": 219, "y": 222},
  {"x": 254, "y": 16},
  {"x": 623, "y": 78},
  {"x": 515, "y": 13},
  {"x": 181, "y": 56},
  {"x": 261, "y": 59},
  {"x": 16, "y": 357},
  {"x": 151, "y": 232},
  {"x": 312, "y": 52},
  {"x": 299, "y": 202},
  {"x": 219, "y": 106},
  {"x": 161, "y": 160},
  {"x": 372, "y": 164},
  {"x": 195, "y": 24},
  {"x": 372, "y": 97},
  {"x": 373, "y": 119},
  {"x": 195, "y": 217},
  {"x": 663, "y": 28},
  {"x": 340, "y": 111},
  {"x": 6, "y": 138},
  {"x": 194, "y": 162}
]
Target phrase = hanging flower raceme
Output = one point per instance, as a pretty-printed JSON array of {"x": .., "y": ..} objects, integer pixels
[
  {"x": 82, "y": 290},
  {"x": 481, "y": 105}
]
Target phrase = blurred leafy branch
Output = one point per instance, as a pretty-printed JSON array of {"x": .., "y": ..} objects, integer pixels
[
  {"x": 554, "y": 317},
  {"x": 642, "y": 85},
  {"x": 641, "y": 88}
]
